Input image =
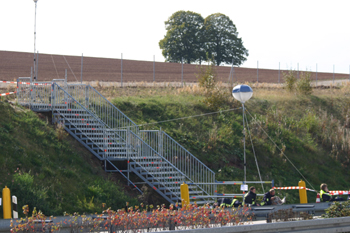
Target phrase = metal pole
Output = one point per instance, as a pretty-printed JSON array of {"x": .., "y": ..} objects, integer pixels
[
  {"x": 154, "y": 60},
  {"x": 81, "y": 71},
  {"x": 37, "y": 64},
  {"x": 35, "y": 39},
  {"x": 121, "y": 82},
  {"x": 316, "y": 74},
  {"x": 279, "y": 71},
  {"x": 298, "y": 71},
  {"x": 333, "y": 74},
  {"x": 245, "y": 165},
  {"x": 257, "y": 71},
  {"x": 182, "y": 72}
]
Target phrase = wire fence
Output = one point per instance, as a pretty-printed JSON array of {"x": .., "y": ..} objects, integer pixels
[{"x": 125, "y": 71}]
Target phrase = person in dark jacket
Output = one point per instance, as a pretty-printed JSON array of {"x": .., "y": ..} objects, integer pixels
[
  {"x": 270, "y": 199},
  {"x": 250, "y": 197},
  {"x": 226, "y": 202}
]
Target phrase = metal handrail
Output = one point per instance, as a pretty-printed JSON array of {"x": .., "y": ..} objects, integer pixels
[
  {"x": 195, "y": 171},
  {"x": 114, "y": 108},
  {"x": 189, "y": 152}
]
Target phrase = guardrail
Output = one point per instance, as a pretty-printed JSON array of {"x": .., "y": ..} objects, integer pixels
[{"x": 305, "y": 226}]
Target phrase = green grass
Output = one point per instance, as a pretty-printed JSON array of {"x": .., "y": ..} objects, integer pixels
[
  {"x": 312, "y": 129},
  {"x": 54, "y": 176}
]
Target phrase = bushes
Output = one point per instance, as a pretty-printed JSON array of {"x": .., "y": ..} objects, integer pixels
[
  {"x": 302, "y": 85},
  {"x": 214, "y": 96},
  {"x": 339, "y": 209}
]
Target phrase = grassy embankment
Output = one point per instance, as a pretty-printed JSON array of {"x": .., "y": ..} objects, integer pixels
[
  {"x": 313, "y": 132},
  {"x": 47, "y": 170},
  {"x": 57, "y": 176}
]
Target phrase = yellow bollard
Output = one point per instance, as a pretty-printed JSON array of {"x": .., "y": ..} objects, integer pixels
[
  {"x": 6, "y": 199},
  {"x": 185, "y": 195},
  {"x": 302, "y": 192}
]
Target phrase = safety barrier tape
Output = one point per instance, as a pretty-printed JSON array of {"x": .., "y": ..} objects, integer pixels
[
  {"x": 8, "y": 93},
  {"x": 7, "y": 82},
  {"x": 35, "y": 84},
  {"x": 338, "y": 192},
  {"x": 294, "y": 187}
]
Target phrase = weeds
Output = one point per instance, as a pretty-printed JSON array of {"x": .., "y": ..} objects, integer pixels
[{"x": 139, "y": 219}]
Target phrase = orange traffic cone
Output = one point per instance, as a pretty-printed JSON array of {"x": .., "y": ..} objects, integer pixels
[{"x": 318, "y": 200}]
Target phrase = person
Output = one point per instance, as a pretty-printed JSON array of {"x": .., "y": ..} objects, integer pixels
[
  {"x": 326, "y": 196},
  {"x": 270, "y": 198},
  {"x": 226, "y": 202},
  {"x": 250, "y": 197}
]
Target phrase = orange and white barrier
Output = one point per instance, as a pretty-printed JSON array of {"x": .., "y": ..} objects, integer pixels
[
  {"x": 338, "y": 192},
  {"x": 318, "y": 200},
  {"x": 7, "y": 82},
  {"x": 294, "y": 187},
  {"x": 8, "y": 93}
]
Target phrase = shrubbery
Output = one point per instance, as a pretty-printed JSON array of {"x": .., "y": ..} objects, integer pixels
[
  {"x": 339, "y": 209},
  {"x": 301, "y": 85}
]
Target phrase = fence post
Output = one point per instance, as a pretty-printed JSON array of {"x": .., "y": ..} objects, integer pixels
[
  {"x": 257, "y": 71},
  {"x": 182, "y": 72},
  {"x": 121, "y": 70}
]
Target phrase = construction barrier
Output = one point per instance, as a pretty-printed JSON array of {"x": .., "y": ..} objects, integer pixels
[
  {"x": 8, "y": 93},
  {"x": 302, "y": 192},
  {"x": 6, "y": 196},
  {"x": 185, "y": 194}
]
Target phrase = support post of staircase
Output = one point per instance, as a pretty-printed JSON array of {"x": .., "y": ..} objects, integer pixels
[
  {"x": 127, "y": 151},
  {"x": 160, "y": 142}
]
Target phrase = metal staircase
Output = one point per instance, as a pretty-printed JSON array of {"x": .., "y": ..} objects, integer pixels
[{"x": 156, "y": 158}]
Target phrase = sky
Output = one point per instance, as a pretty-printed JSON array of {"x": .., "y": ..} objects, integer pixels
[{"x": 278, "y": 34}]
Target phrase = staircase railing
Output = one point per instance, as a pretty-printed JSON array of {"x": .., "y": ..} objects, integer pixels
[
  {"x": 181, "y": 158},
  {"x": 187, "y": 163},
  {"x": 114, "y": 121}
]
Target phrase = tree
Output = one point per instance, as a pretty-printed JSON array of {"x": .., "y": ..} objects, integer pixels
[
  {"x": 222, "y": 40},
  {"x": 183, "y": 38}
]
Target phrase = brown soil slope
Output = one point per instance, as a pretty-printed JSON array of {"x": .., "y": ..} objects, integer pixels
[{"x": 18, "y": 64}]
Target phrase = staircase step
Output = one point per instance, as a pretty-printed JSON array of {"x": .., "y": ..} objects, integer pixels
[
  {"x": 150, "y": 163},
  {"x": 175, "y": 178}
]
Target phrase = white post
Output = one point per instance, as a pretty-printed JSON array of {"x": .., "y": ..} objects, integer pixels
[
  {"x": 14, "y": 207},
  {"x": 245, "y": 165}
]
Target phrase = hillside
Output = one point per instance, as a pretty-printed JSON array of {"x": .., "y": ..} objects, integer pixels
[
  {"x": 51, "y": 171},
  {"x": 313, "y": 132}
]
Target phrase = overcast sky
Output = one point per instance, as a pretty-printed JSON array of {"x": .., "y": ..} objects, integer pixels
[{"x": 304, "y": 32}]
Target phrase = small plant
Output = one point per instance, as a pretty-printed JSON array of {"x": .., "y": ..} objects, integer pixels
[
  {"x": 304, "y": 84},
  {"x": 61, "y": 133},
  {"x": 290, "y": 80}
]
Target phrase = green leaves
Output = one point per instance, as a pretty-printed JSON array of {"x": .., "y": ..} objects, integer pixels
[
  {"x": 191, "y": 37},
  {"x": 183, "y": 38}
]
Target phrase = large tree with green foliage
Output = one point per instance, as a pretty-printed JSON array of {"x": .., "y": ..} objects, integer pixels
[
  {"x": 222, "y": 41},
  {"x": 183, "y": 38}
]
